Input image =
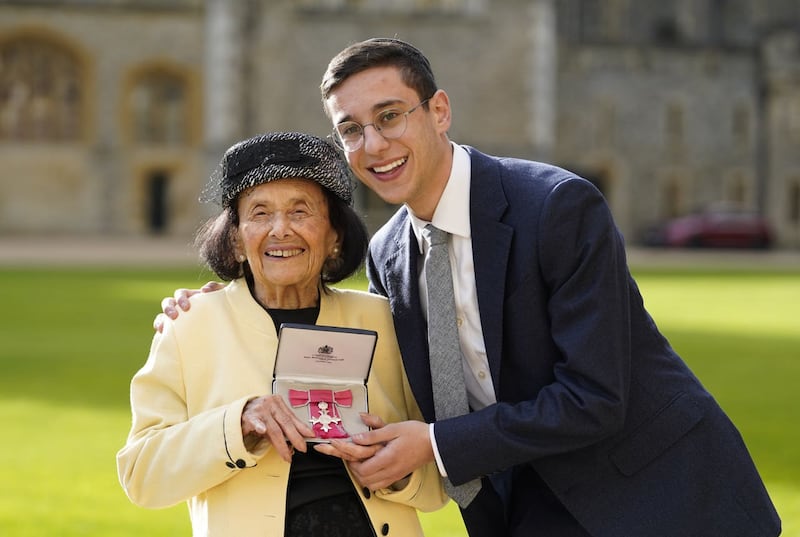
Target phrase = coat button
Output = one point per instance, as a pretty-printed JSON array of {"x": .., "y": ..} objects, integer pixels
[
  {"x": 240, "y": 463},
  {"x": 385, "y": 529},
  {"x": 366, "y": 492}
]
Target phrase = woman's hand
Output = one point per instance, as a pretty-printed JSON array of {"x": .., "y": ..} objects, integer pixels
[
  {"x": 269, "y": 417},
  {"x": 171, "y": 304}
]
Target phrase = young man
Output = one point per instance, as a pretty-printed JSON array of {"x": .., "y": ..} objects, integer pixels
[{"x": 583, "y": 420}]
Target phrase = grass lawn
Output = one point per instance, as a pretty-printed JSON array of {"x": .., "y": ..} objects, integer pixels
[{"x": 72, "y": 338}]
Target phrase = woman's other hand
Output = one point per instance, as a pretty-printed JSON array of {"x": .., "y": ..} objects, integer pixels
[{"x": 269, "y": 417}]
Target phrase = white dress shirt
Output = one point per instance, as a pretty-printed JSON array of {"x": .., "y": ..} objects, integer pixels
[{"x": 452, "y": 215}]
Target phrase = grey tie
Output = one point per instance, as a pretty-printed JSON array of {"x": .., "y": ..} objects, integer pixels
[{"x": 447, "y": 370}]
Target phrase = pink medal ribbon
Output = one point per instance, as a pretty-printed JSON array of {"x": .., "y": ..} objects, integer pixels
[{"x": 322, "y": 407}]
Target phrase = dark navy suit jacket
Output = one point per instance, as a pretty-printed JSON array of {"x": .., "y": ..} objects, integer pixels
[{"x": 590, "y": 394}]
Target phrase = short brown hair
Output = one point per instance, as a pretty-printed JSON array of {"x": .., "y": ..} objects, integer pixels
[{"x": 415, "y": 69}]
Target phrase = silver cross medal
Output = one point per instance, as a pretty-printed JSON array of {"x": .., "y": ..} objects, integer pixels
[{"x": 324, "y": 418}]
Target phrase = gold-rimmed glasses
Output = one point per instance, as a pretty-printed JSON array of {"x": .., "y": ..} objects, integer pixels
[{"x": 390, "y": 123}]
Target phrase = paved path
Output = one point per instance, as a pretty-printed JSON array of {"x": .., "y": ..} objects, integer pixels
[
  {"x": 96, "y": 251},
  {"x": 179, "y": 251},
  {"x": 711, "y": 258}
]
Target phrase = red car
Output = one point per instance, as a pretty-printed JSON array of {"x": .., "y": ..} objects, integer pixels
[{"x": 715, "y": 228}]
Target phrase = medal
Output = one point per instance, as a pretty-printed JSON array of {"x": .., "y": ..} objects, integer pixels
[
  {"x": 322, "y": 409},
  {"x": 324, "y": 419}
]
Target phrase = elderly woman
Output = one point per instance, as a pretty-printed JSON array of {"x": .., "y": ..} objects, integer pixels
[{"x": 206, "y": 428}]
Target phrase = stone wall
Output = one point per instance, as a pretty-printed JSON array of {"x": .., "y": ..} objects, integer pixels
[{"x": 665, "y": 105}]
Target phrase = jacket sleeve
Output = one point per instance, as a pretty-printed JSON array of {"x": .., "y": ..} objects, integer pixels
[
  {"x": 170, "y": 456},
  {"x": 584, "y": 282}
]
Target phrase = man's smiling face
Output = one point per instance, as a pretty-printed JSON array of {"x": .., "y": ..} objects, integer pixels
[{"x": 412, "y": 168}]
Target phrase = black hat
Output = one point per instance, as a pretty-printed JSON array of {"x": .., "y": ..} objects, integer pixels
[{"x": 280, "y": 155}]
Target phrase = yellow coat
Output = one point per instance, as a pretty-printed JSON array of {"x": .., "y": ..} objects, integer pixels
[{"x": 187, "y": 402}]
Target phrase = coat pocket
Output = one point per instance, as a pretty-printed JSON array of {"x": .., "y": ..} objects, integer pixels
[{"x": 654, "y": 437}]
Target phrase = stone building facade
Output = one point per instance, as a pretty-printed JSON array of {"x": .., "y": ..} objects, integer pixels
[{"x": 113, "y": 113}]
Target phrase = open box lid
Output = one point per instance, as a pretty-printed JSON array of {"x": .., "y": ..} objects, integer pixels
[{"x": 324, "y": 353}]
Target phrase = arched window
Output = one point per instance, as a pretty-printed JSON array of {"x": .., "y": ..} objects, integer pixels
[
  {"x": 736, "y": 189},
  {"x": 741, "y": 125},
  {"x": 40, "y": 91},
  {"x": 675, "y": 118},
  {"x": 158, "y": 103},
  {"x": 672, "y": 197},
  {"x": 794, "y": 202}
]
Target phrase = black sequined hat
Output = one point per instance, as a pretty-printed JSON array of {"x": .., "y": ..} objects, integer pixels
[{"x": 279, "y": 155}]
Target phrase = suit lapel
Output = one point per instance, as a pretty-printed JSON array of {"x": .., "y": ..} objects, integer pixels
[
  {"x": 491, "y": 245},
  {"x": 412, "y": 333}
]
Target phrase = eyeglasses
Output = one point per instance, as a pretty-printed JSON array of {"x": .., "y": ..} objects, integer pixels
[{"x": 390, "y": 123}]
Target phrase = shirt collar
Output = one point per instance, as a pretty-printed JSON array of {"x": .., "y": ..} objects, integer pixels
[{"x": 452, "y": 211}]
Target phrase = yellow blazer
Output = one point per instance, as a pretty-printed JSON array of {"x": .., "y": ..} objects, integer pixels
[{"x": 186, "y": 443}]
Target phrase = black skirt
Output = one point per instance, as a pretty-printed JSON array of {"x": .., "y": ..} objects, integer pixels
[{"x": 321, "y": 500}]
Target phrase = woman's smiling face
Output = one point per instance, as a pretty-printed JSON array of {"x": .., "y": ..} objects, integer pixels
[{"x": 286, "y": 234}]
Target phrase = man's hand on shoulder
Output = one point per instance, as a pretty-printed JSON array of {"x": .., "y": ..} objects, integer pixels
[{"x": 171, "y": 305}]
